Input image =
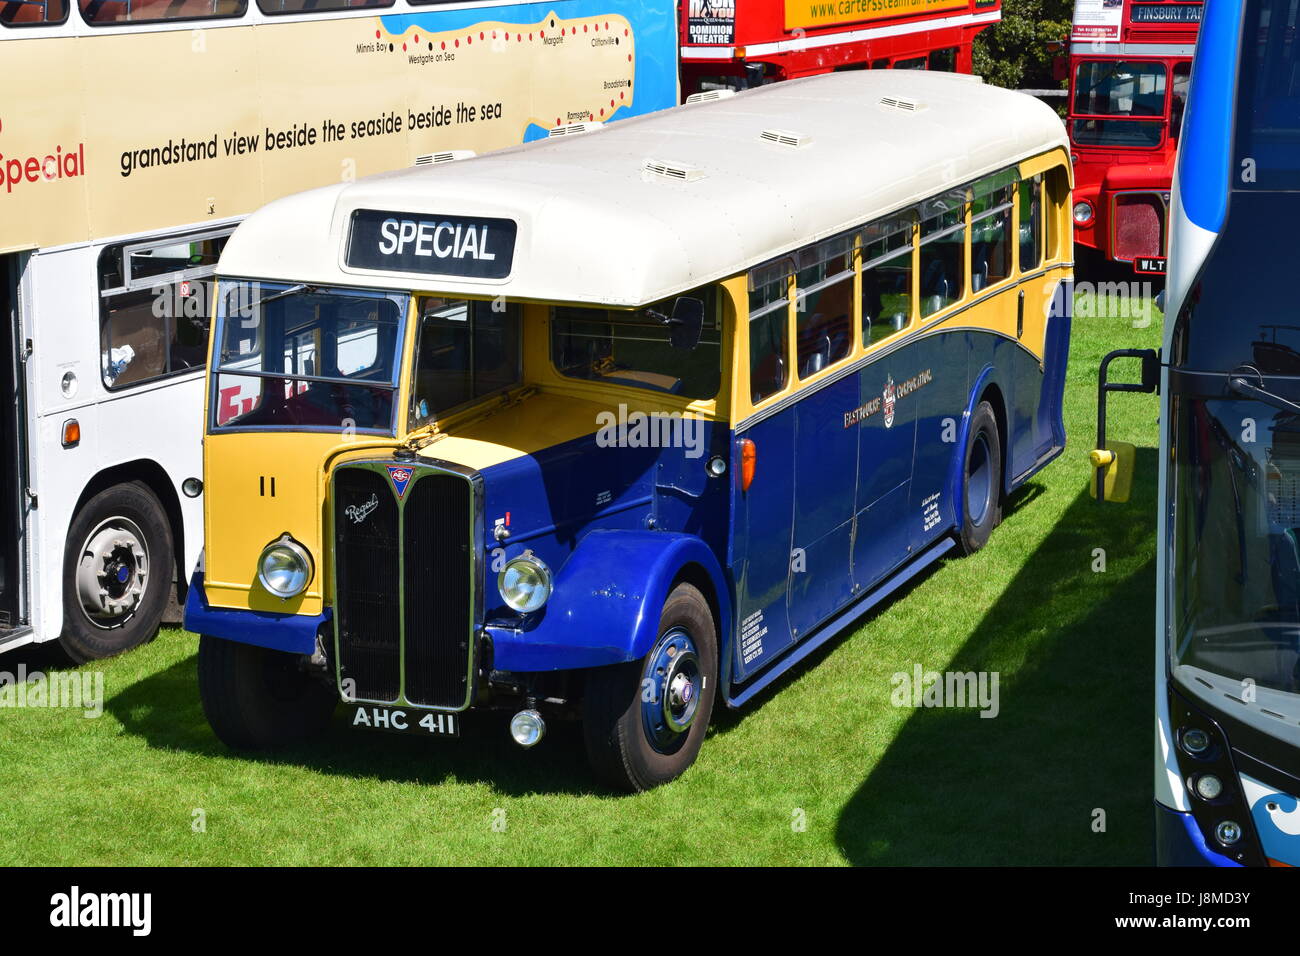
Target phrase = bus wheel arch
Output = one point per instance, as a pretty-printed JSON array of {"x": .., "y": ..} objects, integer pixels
[
  {"x": 992, "y": 394},
  {"x": 127, "y": 519}
]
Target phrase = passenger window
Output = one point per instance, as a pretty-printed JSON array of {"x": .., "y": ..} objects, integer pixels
[
  {"x": 32, "y": 13},
  {"x": 104, "y": 12},
  {"x": 466, "y": 350},
  {"x": 886, "y": 279},
  {"x": 1031, "y": 223},
  {"x": 155, "y": 302},
  {"x": 316, "y": 6},
  {"x": 634, "y": 347},
  {"x": 824, "y": 305},
  {"x": 769, "y": 313},
  {"x": 943, "y": 251},
  {"x": 945, "y": 59},
  {"x": 990, "y": 230}
]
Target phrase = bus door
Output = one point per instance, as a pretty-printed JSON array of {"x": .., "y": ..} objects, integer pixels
[{"x": 12, "y": 448}]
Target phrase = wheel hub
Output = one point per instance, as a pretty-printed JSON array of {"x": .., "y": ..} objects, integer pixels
[
  {"x": 113, "y": 572},
  {"x": 672, "y": 690}
]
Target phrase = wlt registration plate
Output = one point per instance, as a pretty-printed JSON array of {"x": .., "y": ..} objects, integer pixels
[{"x": 399, "y": 720}]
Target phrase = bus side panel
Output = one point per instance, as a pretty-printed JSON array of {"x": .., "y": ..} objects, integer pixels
[{"x": 763, "y": 542}]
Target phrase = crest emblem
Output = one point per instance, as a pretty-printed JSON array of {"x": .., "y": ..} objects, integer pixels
[
  {"x": 888, "y": 396},
  {"x": 400, "y": 477}
]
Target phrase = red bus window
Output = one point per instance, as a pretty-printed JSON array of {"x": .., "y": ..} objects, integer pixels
[
  {"x": 944, "y": 60},
  {"x": 316, "y": 6}
]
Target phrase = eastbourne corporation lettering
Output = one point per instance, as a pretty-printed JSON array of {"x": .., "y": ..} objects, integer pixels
[{"x": 432, "y": 245}]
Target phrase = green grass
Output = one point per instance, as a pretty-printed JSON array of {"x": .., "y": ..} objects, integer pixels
[{"x": 870, "y": 782}]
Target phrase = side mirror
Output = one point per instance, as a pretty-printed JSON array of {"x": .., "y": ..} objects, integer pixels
[
  {"x": 1113, "y": 461},
  {"x": 686, "y": 323}
]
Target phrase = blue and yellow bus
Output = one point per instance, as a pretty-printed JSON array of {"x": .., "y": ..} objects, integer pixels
[
  {"x": 626, "y": 422},
  {"x": 1227, "y": 694}
]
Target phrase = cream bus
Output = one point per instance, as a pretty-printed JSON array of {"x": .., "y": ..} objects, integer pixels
[
  {"x": 622, "y": 426},
  {"x": 134, "y": 134}
]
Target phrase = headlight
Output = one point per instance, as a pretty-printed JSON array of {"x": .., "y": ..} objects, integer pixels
[
  {"x": 1083, "y": 212},
  {"x": 525, "y": 583},
  {"x": 284, "y": 568}
]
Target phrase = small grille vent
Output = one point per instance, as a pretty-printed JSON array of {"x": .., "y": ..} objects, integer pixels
[
  {"x": 446, "y": 156},
  {"x": 784, "y": 137},
  {"x": 678, "y": 172},
  {"x": 902, "y": 103},
  {"x": 574, "y": 129}
]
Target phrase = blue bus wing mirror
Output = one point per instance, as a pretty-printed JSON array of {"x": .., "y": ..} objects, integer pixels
[
  {"x": 686, "y": 323},
  {"x": 1113, "y": 463}
]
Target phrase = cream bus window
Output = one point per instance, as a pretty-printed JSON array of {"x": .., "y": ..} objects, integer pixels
[
  {"x": 633, "y": 347},
  {"x": 886, "y": 279},
  {"x": 943, "y": 251},
  {"x": 990, "y": 229},
  {"x": 101, "y": 12},
  {"x": 32, "y": 13},
  {"x": 316, "y": 6},
  {"x": 155, "y": 303}
]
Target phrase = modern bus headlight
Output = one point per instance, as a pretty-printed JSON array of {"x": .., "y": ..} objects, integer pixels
[
  {"x": 1083, "y": 212},
  {"x": 284, "y": 568},
  {"x": 525, "y": 583}
]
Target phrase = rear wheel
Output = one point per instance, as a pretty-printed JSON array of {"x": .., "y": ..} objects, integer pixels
[
  {"x": 981, "y": 485},
  {"x": 260, "y": 699},
  {"x": 644, "y": 721},
  {"x": 117, "y": 572}
]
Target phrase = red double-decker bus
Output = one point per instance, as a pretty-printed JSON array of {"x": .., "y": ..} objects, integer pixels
[
  {"x": 1130, "y": 61},
  {"x": 735, "y": 44}
]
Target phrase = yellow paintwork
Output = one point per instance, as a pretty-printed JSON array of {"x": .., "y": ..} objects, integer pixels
[{"x": 1119, "y": 459}]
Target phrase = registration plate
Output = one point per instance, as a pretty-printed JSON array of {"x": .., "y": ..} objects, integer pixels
[
  {"x": 1149, "y": 265},
  {"x": 400, "y": 720}
]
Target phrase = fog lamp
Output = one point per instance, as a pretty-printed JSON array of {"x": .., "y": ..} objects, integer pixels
[{"x": 527, "y": 728}]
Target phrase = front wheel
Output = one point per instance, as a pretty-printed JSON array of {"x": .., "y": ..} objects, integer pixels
[
  {"x": 644, "y": 721},
  {"x": 981, "y": 485},
  {"x": 260, "y": 699},
  {"x": 117, "y": 572}
]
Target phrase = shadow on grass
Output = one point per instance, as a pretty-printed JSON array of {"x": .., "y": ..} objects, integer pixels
[
  {"x": 164, "y": 710},
  {"x": 1073, "y": 736},
  {"x": 725, "y": 719}
]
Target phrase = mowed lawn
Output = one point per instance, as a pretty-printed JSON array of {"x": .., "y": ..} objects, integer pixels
[{"x": 822, "y": 770}]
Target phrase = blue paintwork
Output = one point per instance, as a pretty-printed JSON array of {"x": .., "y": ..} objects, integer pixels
[
  {"x": 1205, "y": 148},
  {"x": 606, "y": 602},
  {"x": 291, "y": 633},
  {"x": 1278, "y": 844},
  {"x": 653, "y": 24},
  {"x": 1179, "y": 841}
]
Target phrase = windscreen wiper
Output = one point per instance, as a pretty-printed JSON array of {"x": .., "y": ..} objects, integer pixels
[{"x": 1239, "y": 383}]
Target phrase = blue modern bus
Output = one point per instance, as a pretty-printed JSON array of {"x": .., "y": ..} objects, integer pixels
[{"x": 1227, "y": 761}]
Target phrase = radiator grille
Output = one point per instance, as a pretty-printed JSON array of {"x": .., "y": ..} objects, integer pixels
[
  {"x": 1139, "y": 225},
  {"x": 366, "y": 590},
  {"x": 404, "y": 586},
  {"x": 439, "y": 604}
]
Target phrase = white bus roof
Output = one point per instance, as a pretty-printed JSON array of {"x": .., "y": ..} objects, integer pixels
[{"x": 594, "y": 226}]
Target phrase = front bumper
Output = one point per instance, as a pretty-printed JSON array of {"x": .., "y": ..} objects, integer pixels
[{"x": 291, "y": 633}]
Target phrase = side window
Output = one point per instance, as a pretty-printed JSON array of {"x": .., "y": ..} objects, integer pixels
[
  {"x": 886, "y": 278},
  {"x": 104, "y": 12},
  {"x": 1031, "y": 223},
  {"x": 990, "y": 230},
  {"x": 32, "y": 13},
  {"x": 769, "y": 313},
  {"x": 824, "y": 305},
  {"x": 316, "y": 6},
  {"x": 945, "y": 59},
  {"x": 916, "y": 63},
  {"x": 943, "y": 251},
  {"x": 155, "y": 300},
  {"x": 466, "y": 350}
]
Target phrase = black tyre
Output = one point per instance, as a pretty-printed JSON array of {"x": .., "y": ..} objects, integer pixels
[
  {"x": 644, "y": 721},
  {"x": 260, "y": 699},
  {"x": 981, "y": 485},
  {"x": 117, "y": 572}
]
